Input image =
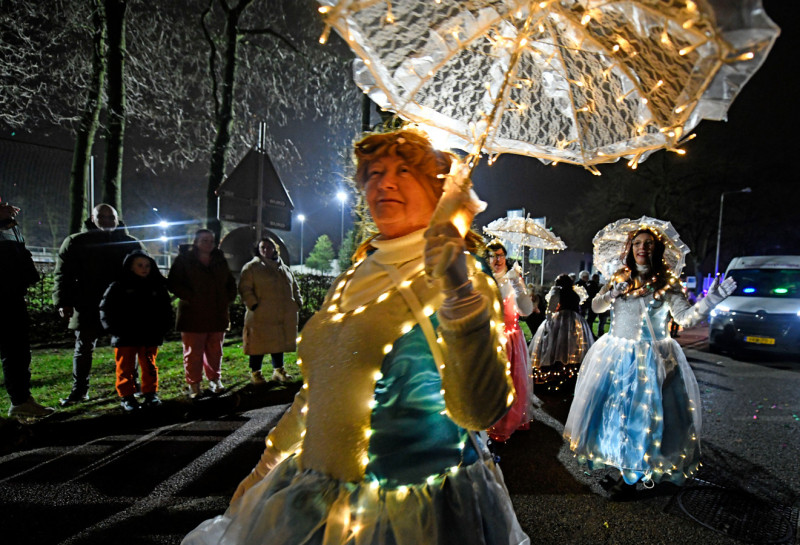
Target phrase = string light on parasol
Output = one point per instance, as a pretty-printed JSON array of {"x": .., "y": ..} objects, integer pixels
[
  {"x": 572, "y": 81},
  {"x": 526, "y": 232}
]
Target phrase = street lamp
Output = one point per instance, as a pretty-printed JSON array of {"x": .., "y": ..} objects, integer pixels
[
  {"x": 165, "y": 239},
  {"x": 719, "y": 227},
  {"x": 302, "y": 219},
  {"x": 342, "y": 196}
]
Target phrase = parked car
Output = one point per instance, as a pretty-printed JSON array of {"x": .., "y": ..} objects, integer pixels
[{"x": 764, "y": 311}]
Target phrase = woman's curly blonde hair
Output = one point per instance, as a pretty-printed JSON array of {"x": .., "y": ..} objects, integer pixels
[
  {"x": 412, "y": 146},
  {"x": 415, "y": 148}
]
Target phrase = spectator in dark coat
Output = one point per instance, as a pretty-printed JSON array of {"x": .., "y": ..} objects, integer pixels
[
  {"x": 17, "y": 273},
  {"x": 583, "y": 282},
  {"x": 535, "y": 318},
  {"x": 136, "y": 310},
  {"x": 200, "y": 277},
  {"x": 592, "y": 288},
  {"x": 87, "y": 264}
]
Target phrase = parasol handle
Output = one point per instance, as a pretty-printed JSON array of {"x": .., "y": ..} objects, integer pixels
[{"x": 458, "y": 203}]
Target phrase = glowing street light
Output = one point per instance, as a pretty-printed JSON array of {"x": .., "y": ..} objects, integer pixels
[
  {"x": 342, "y": 196},
  {"x": 302, "y": 219},
  {"x": 164, "y": 225}
]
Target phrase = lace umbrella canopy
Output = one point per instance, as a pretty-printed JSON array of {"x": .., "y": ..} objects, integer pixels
[
  {"x": 612, "y": 242},
  {"x": 524, "y": 231},
  {"x": 573, "y": 81}
]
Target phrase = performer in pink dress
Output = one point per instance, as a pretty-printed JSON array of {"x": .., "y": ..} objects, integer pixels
[{"x": 516, "y": 302}]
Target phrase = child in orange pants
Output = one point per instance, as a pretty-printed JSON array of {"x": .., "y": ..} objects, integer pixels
[{"x": 136, "y": 310}]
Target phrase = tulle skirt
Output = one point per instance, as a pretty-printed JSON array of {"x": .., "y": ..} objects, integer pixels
[
  {"x": 636, "y": 408},
  {"x": 564, "y": 337},
  {"x": 291, "y": 506},
  {"x": 518, "y": 416}
]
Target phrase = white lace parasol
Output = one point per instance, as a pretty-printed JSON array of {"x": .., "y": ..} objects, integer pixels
[
  {"x": 611, "y": 244},
  {"x": 574, "y": 81},
  {"x": 524, "y": 231}
]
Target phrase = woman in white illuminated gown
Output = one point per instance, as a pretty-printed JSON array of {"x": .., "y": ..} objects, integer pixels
[{"x": 637, "y": 404}]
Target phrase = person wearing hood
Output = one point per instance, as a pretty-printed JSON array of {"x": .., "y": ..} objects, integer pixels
[
  {"x": 137, "y": 311},
  {"x": 88, "y": 262},
  {"x": 200, "y": 277},
  {"x": 272, "y": 298}
]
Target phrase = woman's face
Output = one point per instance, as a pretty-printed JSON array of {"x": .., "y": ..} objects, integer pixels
[
  {"x": 141, "y": 266},
  {"x": 497, "y": 260},
  {"x": 266, "y": 250},
  {"x": 642, "y": 248},
  {"x": 399, "y": 200},
  {"x": 205, "y": 242}
]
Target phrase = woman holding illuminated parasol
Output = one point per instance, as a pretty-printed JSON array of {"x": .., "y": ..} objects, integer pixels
[
  {"x": 397, "y": 368},
  {"x": 516, "y": 302},
  {"x": 637, "y": 404}
]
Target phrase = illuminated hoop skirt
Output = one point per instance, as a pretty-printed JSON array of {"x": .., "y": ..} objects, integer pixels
[
  {"x": 636, "y": 408},
  {"x": 563, "y": 337},
  {"x": 291, "y": 506}
]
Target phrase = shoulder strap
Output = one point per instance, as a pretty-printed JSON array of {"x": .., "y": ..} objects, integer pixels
[{"x": 424, "y": 321}]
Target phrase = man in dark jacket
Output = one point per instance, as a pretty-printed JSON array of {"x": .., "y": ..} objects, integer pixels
[
  {"x": 583, "y": 281},
  {"x": 17, "y": 273},
  {"x": 592, "y": 289},
  {"x": 87, "y": 264}
]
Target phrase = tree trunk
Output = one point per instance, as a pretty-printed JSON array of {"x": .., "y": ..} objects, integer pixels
[
  {"x": 115, "y": 54},
  {"x": 224, "y": 113},
  {"x": 84, "y": 139}
]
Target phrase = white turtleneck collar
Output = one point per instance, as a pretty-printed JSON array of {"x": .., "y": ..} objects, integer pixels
[
  {"x": 370, "y": 278},
  {"x": 400, "y": 249}
]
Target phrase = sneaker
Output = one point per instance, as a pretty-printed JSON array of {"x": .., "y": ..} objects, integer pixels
[
  {"x": 30, "y": 408},
  {"x": 257, "y": 378},
  {"x": 216, "y": 386},
  {"x": 193, "y": 390},
  {"x": 129, "y": 404},
  {"x": 151, "y": 399},
  {"x": 73, "y": 398},
  {"x": 137, "y": 389},
  {"x": 280, "y": 375}
]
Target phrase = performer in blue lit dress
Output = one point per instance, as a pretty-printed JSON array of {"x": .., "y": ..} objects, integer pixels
[
  {"x": 637, "y": 404},
  {"x": 398, "y": 367}
]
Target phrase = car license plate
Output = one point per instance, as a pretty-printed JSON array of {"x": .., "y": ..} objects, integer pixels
[{"x": 759, "y": 340}]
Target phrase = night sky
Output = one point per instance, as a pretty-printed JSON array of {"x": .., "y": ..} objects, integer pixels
[{"x": 760, "y": 136}]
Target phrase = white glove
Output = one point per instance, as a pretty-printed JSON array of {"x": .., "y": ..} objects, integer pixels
[
  {"x": 616, "y": 290},
  {"x": 718, "y": 292},
  {"x": 444, "y": 256}
]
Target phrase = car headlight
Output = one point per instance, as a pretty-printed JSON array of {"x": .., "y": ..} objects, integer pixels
[{"x": 722, "y": 310}]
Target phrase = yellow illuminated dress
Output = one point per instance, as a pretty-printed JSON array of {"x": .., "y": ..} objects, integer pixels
[{"x": 375, "y": 447}]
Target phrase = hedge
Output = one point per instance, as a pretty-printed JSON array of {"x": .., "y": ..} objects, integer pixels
[{"x": 48, "y": 329}]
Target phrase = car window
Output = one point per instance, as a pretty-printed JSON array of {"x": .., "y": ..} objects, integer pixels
[{"x": 780, "y": 283}]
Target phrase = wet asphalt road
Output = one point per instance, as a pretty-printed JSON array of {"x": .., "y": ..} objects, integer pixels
[{"x": 142, "y": 481}]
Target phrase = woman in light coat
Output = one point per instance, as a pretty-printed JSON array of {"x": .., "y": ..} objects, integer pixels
[{"x": 272, "y": 297}]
